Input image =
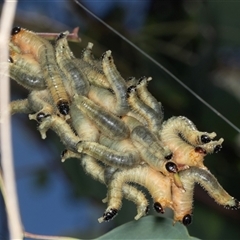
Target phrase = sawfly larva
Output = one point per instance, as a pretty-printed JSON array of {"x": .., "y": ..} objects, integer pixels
[
  {"x": 108, "y": 156},
  {"x": 88, "y": 57},
  {"x": 139, "y": 107},
  {"x": 40, "y": 101},
  {"x": 148, "y": 98},
  {"x": 60, "y": 127},
  {"x": 157, "y": 184},
  {"x": 43, "y": 51},
  {"x": 84, "y": 127},
  {"x": 118, "y": 84},
  {"x": 107, "y": 123},
  {"x": 20, "y": 106},
  {"x": 26, "y": 71},
  {"x": 93, "y": 74},
  {"x": 182, "y": 201},
  {"x": 77, "y": 79},
  {"x": 189, "y": 145}
]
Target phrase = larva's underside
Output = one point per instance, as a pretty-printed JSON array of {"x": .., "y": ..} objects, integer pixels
[{"x": 115, "y": 127}]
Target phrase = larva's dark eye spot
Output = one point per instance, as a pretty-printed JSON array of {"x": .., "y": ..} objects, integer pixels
[
  {"x": 217, "y": 148},
  {"x": 63, "y": 107},
  {"x": 158, "y": 207},
  {"x": 40, "y": 116},
  {"x": 141, "y": 79},
  {"x": 110, "y": 214},
  {"x": 60, "y": 36},
  {"x": 168, "y": 157},
  {"x": 63, "y": 153},
  {"x": 103, "y": 55},
  {"x": 131, "y": 89},
  {"x": 15, "y": 30},
  {"x": 187, "y": 219},
  {"x": 205, "y": 138},
  {"x": 171, "y": 167},
  {"x": 10, "y": 60}
]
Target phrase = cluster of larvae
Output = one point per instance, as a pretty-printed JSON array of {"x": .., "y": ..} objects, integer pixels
[{"x": 114, "y": 127}]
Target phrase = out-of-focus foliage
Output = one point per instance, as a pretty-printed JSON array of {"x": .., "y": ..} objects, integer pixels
[{"x": 199, "y": 42}]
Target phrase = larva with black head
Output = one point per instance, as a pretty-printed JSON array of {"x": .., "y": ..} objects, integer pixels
[
  {"x": 118, "y": 84},
  {"x": 180, "y": 135},
  {"x": 148, "y": 98},
  {"x": 94, "y": 75},
  {"x": 43, "y": 52},
  {"x": 183, "y": 201},
  {"x": 138, "y": 106},
  {"x": 104, "y": 174},
  {"x": 76, "y": 79},
  {"x": 157, "y": 184}
]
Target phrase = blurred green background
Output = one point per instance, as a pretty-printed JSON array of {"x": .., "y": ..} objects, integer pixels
[{"x": 199, "y": 42}]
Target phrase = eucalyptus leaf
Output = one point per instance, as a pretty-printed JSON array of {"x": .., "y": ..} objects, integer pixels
[{"x": 149, "y": 227}]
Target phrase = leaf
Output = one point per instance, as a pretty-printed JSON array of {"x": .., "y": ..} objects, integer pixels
[{"x": 149, "y": 227}]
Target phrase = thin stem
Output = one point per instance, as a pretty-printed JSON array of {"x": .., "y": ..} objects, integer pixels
[
  {"x": 45, "y": 237},
  {"x": 14, "y": 222},
  {"x": 73, "y": 36}
]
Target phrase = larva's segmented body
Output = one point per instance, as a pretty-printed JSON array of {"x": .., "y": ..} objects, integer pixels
[
  {"x": 158, "y": 187},
  {"x": 96, "y": 94},
  {"x": 20, "y": 106},
  {"x": 148, "y": 98},
  {"x": 107, "y": 123},
  {"x": 118, "y": 84},
  {"x": 107, "y": 155},
  {"x": 83, "y": 126},
  {"x": 189, "y": 145},
  {"x": 78, "y": 81},
  {"x": 138, "y": 106},
  {"x": 88, "y": 57},
  {"x": 182, "y": 201},
  {"x": 26, "y": 71},
  {"x": 44, "y": 53},
  {"x": 119, "y": 141}
]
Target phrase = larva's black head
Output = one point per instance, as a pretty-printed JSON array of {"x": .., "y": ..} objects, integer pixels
[
  {"x": 169, "y": 156},
  {"x": 131, "y": 89},
  {"x": 171, "y": 167},
  {"x": 40, "y": 116},
  {"x": 60, "y": 36},
  {"x": 217, "y": 148},
  {"x": 158, "y": 207},
  {"x": 141, "y": 79},
  {"x": 109, "y": 214},
  {"x": 205, "y": 138},
  {"x": 63, "y": 153},
  {"x": 15, "y": 30},
  {"x": 63, "y": 107},
  {"x": 187, "y": 219}
]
